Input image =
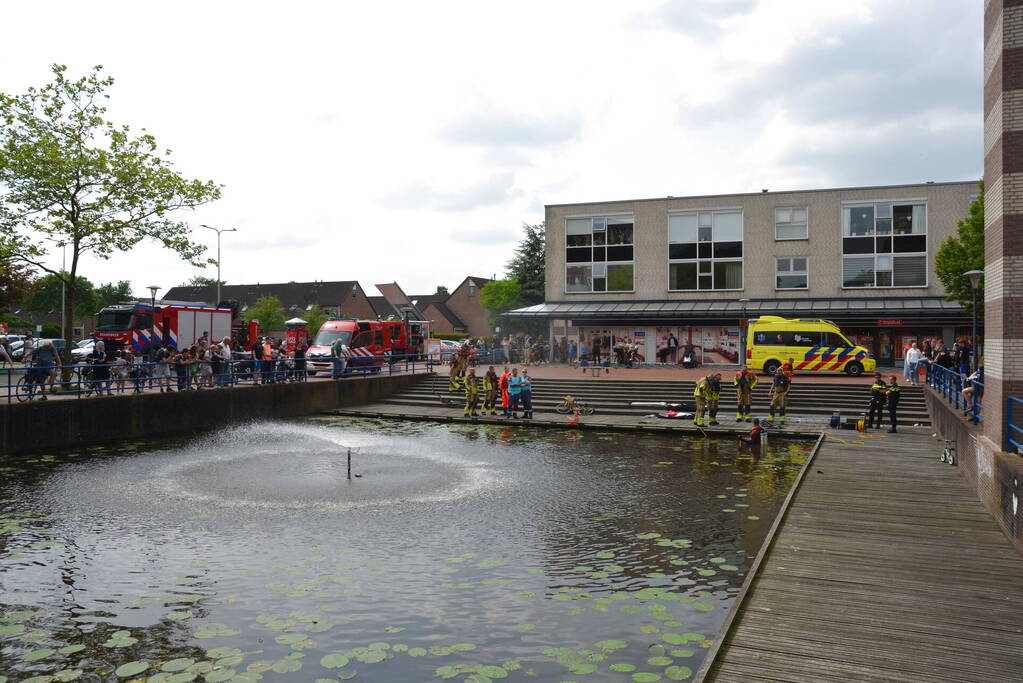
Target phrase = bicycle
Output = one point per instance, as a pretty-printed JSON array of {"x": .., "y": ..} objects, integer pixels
[
  {"x": 569, "y": 406},
  {"x": 948, "y": 453},
  {"x": 28, "y": 386}
]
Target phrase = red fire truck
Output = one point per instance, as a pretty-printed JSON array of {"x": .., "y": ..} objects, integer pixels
[
  {"x": 178, "y": 324},
  {"x": 369, "y": 342}
]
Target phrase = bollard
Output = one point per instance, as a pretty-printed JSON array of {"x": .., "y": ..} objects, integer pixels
[{"x": 349, "y": 464}]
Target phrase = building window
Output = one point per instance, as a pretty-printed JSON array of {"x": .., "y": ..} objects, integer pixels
[
  {"x": 599, "y": 254},
  {"x": 791, "y": 273},
  {"x": 790, "y": 223},
  {"x": 705, "y": 250},
  {"x": 472, "y": 288},
  {"x": 884, "y": 245}
]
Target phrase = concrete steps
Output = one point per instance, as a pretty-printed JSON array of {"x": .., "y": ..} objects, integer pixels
[{"x": 612, "y": 397}]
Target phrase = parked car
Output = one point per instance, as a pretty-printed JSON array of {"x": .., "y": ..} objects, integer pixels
[
  {"x": 448, "y": 348},
  {"x": 82, "y": 349},
  {"x": 17, "y": 348}
]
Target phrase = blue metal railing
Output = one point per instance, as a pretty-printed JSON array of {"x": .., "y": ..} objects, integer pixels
[
  {"x": 1013, "y": 428},
  {"x": 39, "y": 382},
  {"x": 964, "y": 392}
]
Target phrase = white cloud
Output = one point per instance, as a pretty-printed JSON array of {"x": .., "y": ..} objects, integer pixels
[{"x": 372, "y": 142}]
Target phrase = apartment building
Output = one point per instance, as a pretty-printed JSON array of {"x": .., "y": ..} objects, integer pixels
[{"x": 695, "y": 267}]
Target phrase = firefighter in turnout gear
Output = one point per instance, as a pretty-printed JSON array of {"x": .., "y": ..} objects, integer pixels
[
  {"x": 490, "y": 383},
  {"x": 745, "y": 380},
  {"x": 463, "y": 358},
  {"x": 878, "y": 399},
  {"x": 780, "y": 394},
  {"x": 454, "y": 376},
  {"x": 707, "y": 393},
  {"x": 472, "y": 393}
]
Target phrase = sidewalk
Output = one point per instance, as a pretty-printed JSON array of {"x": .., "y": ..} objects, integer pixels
[{"x": 672, "y": 372}]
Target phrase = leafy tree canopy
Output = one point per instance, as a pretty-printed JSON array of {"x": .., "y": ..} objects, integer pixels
[
  {"x": 17, "y": 282},
  {"x": 500, "y": 296},
  {"x": 203, "y": 281},
  {"x": 315, "y": 316},
  {"x": 46, "y": 299},
  {"x": 112, "y": 293},
  {"x": 71, "y": 178},
  {"x": 269, "y": 312},
  {"x": 528, "y": 265},
  {"x": 442, "y": 291},
  {"x": 961, "y": 252}
]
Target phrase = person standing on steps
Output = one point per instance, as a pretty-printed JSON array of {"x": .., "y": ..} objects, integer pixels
[
  {"x": 472, "y": 393},
  {"x": 878, "y": 400},
  {"x": 514, "y": 389},
  {"x": 745, "y": 381},
  {"x": 502, "y": 384},
  {"x": 780, "y": 394},
  {"x": 526, "y": 395},
  {"x": 490, "y": 384},
  {"x": 894, "y": 392}
]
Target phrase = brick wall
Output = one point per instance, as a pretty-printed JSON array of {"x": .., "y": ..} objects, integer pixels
[
  {"x": 1003, "y": 219},
  {"x": 441, "y": 325},
  {"x": 470, "y": 310}
]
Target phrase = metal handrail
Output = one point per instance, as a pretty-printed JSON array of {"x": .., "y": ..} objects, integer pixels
[
  {"x": 110, "y": 377},
  {"x": 1013, "y": 431},
  {"x": 951, "y": 385}
]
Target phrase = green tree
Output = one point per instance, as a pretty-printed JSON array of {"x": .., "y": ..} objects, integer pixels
[
  {"x": 112, "y": 293},
  {"x": 269, "y": 312},
  {"x": 17, "y": 282},
  {"x": 961, "y": 252},
  {"x": 203, "y": 281},
  {"x": 528, "y": 265},
  {"x": 70, "y": 176},
  {"x": 315, "y": 316},
  {"x": 46, "y": 299},
  {"x": 500, "y": 296},
  {"x": 442, "y": 291}
]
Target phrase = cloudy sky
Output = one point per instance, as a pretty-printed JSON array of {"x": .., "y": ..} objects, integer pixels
[{"x": 409, "y": 141}]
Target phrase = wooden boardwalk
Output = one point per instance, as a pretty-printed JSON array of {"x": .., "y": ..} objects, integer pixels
[{"x": 886, "y": 568}]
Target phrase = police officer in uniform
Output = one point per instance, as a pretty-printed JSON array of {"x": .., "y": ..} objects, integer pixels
[
  {"x": 745, "y": 380},
  {"x": 894, "y": 392},
  {"x": 780, "y": 394},
  {"x": 878, "y": 399}
]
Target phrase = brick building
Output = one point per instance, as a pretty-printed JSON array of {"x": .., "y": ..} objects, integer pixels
[
  {"x": 695, "y": 266},
  {"x": 458, "y": 312},
  {"x": 345, "y": 296}
]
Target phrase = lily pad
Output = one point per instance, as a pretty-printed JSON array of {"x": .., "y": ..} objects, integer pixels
[
  {"x": 646, "y": 677},
  {"x": 605, "y": 555},
  {"x": 678, "y": 673},
  {"x": 220, "y": 675},
  {"x": 334, "y": 661},
  {"x": 622, "y": 667},
  {"x": 71, "y": 649},
  {"x": 36, "y": 655},
  {"x": 179, "y": 664},
  {"x": 178, "y": 615},
  {"x": 131, "y": 668},
  {"x": 526, "y": 627},
  {"x": 611, "y": 644}
]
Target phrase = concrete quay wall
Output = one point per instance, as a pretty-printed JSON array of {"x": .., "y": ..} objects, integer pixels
[
  {"x": 67, "y": 423},
  {"x": 997, "y": 477}
]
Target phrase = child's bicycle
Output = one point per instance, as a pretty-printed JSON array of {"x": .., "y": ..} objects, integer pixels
[
  {"x": 948, "y": 453},
  {"x": 570, "y": 405}
]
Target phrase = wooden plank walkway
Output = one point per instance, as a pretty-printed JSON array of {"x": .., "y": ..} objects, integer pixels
[{"x": 886, "y": 568}]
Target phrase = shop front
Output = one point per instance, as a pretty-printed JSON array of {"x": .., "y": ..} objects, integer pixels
[{"x": 663, "y": 330}]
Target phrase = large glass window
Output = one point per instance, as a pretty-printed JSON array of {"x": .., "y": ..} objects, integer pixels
[
  {"x": 790, "y": 223},
  {"x": 705, "y": 250},
  {"x": 884, "y": 244},
  {"x": 791, "y": 273},
  {"x": 599, "y": 254}
]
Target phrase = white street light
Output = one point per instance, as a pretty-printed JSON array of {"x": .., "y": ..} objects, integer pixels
[{"x": 218, "y": 231}]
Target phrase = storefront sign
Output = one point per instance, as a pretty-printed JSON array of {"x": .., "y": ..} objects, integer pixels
[
  {"x": 639, "y": 334},
  {"x": 889, "y": 322}
]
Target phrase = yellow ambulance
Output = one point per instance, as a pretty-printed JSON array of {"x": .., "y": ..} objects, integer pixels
[{"x": 813, "y": 345}]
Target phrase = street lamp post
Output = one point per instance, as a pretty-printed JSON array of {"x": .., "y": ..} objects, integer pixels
[
  {"x": 218, "y": 231},
  {"x": 153, "y": 289},
  {"x": 974, "y": 276},
  {"x": 742, "y": 335}
]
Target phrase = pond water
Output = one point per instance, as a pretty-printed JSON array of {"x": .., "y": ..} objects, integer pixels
[{"x": 463, "y": 552}]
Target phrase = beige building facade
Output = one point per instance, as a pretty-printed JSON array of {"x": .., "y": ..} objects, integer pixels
[{"x": 649, "y": 268}]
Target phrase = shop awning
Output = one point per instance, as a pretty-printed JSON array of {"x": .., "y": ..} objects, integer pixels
[{"x": 862, "y": 308}]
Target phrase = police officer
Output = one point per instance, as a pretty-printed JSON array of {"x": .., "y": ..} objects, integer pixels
[
  {"x": 472, "y": 393},
  {"x": 878, "y": 398},
  {"x": 745, "y": 380},
  {"x": 894, "y": 392},
  {"x": 780, "y": 394}
]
